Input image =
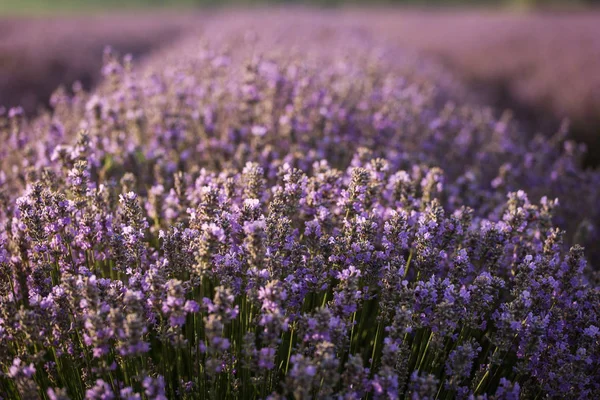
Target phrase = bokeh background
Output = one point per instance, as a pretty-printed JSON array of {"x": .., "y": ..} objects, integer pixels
[
  {"x": 539, "y": 58},
  {"x": 77, "y": 5}
]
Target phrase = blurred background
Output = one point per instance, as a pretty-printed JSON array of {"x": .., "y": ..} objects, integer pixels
[
  {"x": 74, "y": 5},
  {"x": 540, "y": 58}
]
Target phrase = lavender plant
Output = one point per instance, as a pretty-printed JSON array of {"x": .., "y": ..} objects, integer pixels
[{"x": 246, "y": 221}]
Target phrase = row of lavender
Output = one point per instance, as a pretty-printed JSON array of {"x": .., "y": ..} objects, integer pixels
[{"x": 263, "y": 217}]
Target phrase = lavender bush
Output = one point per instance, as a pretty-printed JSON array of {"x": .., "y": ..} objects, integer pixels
[{"x": 246, "y": 220}]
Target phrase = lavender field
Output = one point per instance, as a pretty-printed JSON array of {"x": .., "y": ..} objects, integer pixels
[{"x": 291, "y": 203}]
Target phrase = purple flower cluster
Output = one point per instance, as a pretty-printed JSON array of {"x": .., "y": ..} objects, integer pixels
[{"x": 320, "y": 225}]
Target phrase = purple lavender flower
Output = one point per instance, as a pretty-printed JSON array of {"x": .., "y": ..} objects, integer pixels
[{"x": 240, "y": 219}]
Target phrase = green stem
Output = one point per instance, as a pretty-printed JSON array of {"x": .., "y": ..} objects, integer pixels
[
  {"x": 289, "y": 355},
  {"x": 420, "y": 362},
  {"x": 410, "y": 255},
  {"x": 375, "y": 343}
]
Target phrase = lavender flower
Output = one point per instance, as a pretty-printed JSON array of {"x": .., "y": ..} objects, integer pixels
[{"x": 251, "y": 221}]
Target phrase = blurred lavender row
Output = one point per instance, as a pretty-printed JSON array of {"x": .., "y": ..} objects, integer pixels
[
  {"x": 542, "y": 65},
  {"x": 39, "y": 54}
]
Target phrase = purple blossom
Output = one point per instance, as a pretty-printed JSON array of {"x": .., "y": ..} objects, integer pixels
[{"x": 333, "y": 223}]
